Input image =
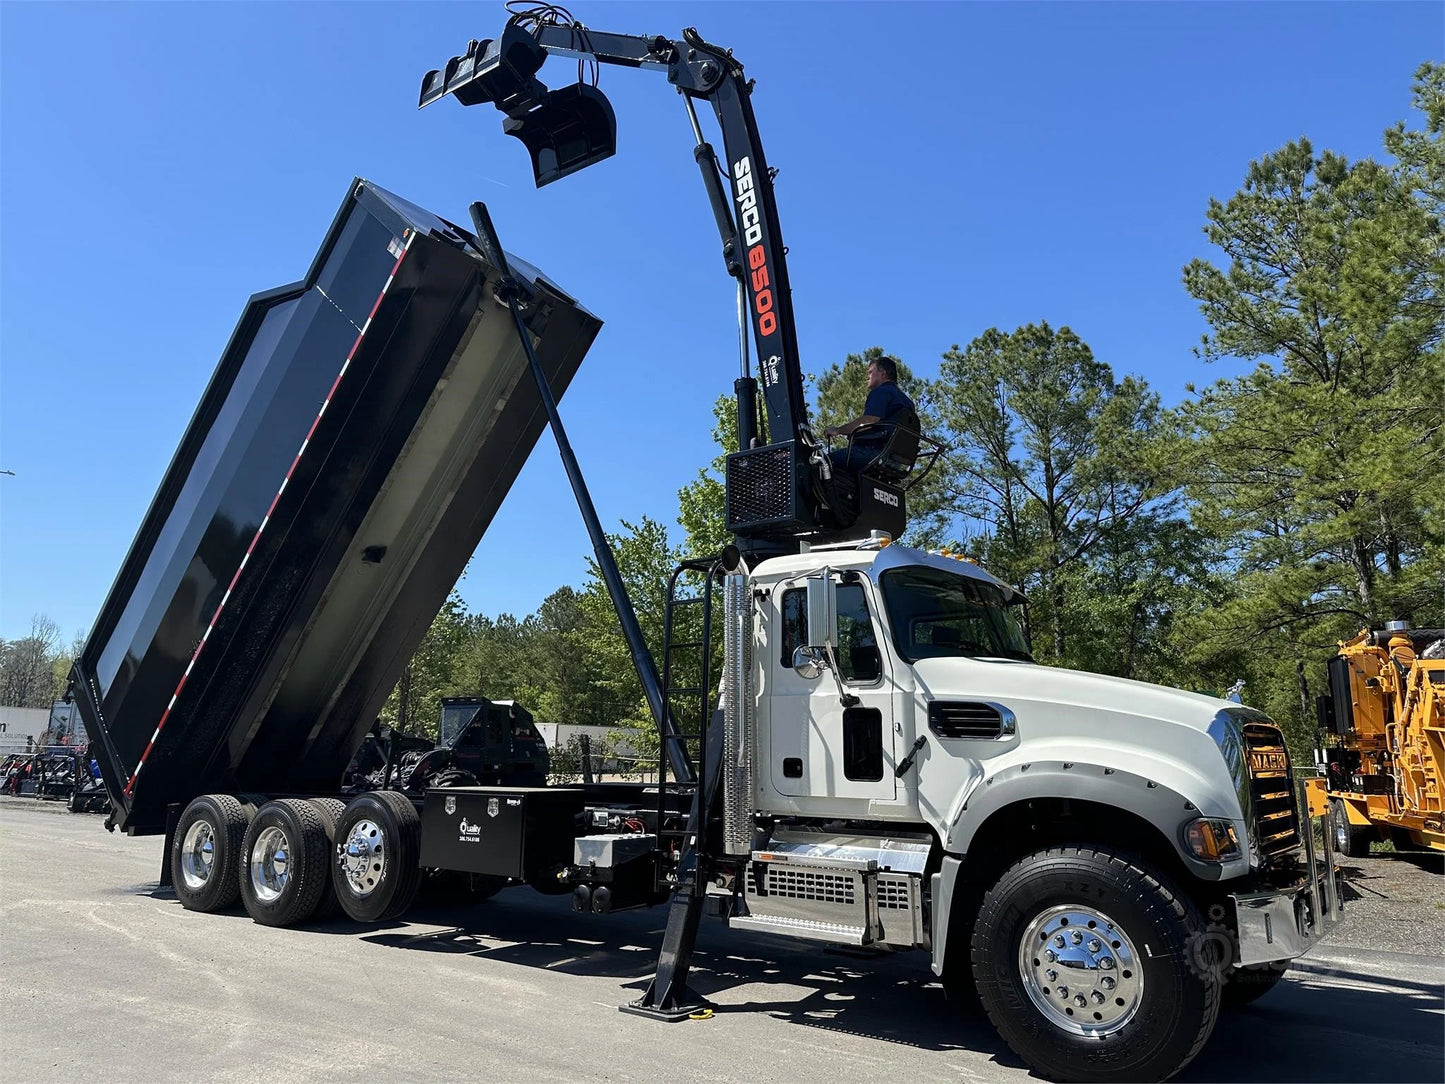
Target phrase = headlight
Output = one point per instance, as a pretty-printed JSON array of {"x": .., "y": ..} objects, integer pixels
[
  {"x": 1211, "y": 840},
  {"x": 1228, "y": 734}
]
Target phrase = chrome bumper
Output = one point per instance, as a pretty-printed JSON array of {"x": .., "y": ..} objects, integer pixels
[{"x": 1283, "y": 924}]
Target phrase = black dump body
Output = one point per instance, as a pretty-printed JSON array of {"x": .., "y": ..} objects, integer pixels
[{"x": 357, "y": 438}]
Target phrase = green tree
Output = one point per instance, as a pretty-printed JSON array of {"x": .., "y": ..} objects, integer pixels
[
  {"x": 1320, "y": 471},
  {"x": 700, "y": 503},
  {"x": 431, "y": 672},
  {"x": 645, "y": 560},
  {"x": 1053, "y": 482},
  {"x": 28, "y": 676}
]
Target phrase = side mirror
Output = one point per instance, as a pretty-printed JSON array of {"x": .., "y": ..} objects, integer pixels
[
  {"x": 822, "y": 609},
  {"x": 809, "y": 662}
]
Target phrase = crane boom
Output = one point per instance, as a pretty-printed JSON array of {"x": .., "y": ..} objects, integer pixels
[{"x": 571, "y": 128}]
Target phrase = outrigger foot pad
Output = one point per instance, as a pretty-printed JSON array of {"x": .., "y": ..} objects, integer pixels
[{"x": 691, "y": 1005}]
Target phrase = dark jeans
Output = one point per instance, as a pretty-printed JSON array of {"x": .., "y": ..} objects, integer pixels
[{"x": 855, "y": 459}]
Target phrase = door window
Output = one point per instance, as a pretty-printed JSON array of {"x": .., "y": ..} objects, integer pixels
[{"x": 857, "y": 646}]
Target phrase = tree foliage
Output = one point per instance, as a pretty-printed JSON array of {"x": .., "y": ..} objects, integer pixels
[
  {"x": 1319, "y": 473},
  {"x": 35, "y": 669}
]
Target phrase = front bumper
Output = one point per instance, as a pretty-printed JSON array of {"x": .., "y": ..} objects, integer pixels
[{"x": 1285, "y": 923}]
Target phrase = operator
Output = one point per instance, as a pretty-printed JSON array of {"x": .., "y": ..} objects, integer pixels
[{"x": 885, "y": 403}]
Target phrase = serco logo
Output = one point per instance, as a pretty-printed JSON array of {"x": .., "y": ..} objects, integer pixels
[
  {"x": 747, "y": 200},
  {"x": 884, "y": 497}
]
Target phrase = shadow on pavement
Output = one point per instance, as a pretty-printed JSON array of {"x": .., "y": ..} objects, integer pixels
[
  {"x": 1313, "y": 1027},
  {"x": 890, "y": 998},
  {"x": 1307, "y": 1030}
]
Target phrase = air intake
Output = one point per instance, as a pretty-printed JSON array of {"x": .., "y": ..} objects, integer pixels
[{"x": 963, "y": 719}]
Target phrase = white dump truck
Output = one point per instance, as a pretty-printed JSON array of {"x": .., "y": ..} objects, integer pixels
[{"x": 857, "y": 748}]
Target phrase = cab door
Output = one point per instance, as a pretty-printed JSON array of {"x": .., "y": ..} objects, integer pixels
[{"x": 818, "y": 747}]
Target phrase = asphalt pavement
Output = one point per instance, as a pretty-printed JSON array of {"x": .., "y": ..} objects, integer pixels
[{"x": 106, "y": 976}]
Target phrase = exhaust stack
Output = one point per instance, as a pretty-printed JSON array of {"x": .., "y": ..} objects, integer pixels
[{"x": 739, "y": 723}]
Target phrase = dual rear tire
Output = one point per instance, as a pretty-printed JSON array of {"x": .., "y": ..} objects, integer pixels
[{"x": 295, "y": 858}]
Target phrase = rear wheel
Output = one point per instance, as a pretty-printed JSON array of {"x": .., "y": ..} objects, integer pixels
[
  {"x": 1350, "y": 840},
  {"x": 1083, "y": 958},
  {"x": 375, "y": 869},
  {"x": 284, "y": 863},
  {"x": 331, "y": 810},
  {"x": 206, "y": 850}
]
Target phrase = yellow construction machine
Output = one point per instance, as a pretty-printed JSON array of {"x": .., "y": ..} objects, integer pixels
[{"x": 1382, "y": 742}]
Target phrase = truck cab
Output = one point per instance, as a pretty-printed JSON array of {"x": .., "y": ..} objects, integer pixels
[{"x": 918, "y": 781}]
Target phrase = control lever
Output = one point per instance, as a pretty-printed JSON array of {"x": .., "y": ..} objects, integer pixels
[{"x": 907, "y": 762}]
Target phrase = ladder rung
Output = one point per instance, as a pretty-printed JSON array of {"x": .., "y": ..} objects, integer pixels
[
  {"x": 685, "y": 690},
  {"x": 687, "y": 602},
  {"x": 684, "y": 643}
]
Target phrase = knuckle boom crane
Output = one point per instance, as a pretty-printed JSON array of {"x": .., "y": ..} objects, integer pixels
[{"x": 781, "y": 487}]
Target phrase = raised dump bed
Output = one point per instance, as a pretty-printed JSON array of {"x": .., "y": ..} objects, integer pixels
[{"x": 359, "y": 434}]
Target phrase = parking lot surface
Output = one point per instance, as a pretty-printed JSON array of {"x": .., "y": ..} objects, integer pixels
[{"x": 106, "y": 975}]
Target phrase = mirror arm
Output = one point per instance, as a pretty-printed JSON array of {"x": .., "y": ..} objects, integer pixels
[{"x": 847, "y": 699}]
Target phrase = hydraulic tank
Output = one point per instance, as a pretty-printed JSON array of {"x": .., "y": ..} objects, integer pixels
[{"x": 356, "y": 439}]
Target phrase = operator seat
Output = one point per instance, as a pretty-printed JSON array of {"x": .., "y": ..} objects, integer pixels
[
  {"x": 893, "y": 467},
  {"x": 900, "y": 451}
]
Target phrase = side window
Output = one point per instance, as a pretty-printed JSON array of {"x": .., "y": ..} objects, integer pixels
[
  {"x": 858, "y": 658},
  {"x": 795, "y": 622},
  {"x": 857, "y": 647}
]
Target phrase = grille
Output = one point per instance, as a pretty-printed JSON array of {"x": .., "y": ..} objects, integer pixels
[
  {"x": 893, "y": 894},
  {"x": 802, "y": 884},
  {"x": 760, "y": 486},
  {"x": 964, "y": 720},
  {"x": 1276, "y": 821}
]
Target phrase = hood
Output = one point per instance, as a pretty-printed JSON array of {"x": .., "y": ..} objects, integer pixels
[{"x": 1028, "y": 688}]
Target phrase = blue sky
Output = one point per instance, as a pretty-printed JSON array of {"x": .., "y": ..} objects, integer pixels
[{"x": 944, "y": 168}]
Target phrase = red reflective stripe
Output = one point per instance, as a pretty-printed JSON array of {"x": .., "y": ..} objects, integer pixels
[{"x": 267, "y": 517}]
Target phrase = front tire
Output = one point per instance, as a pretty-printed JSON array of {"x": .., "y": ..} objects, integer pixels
[
  {"x": 1081, "y": 958},
  {"x": 206, "y": 850}
]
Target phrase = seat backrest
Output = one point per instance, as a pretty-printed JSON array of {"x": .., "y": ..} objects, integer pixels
[{"x": 899, "y": 454}]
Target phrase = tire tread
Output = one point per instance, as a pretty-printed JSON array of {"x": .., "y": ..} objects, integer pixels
[{"x": 1152, "y": 889}]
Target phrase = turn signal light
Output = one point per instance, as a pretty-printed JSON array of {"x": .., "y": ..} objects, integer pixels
[{"x": 1211, "y": 840}]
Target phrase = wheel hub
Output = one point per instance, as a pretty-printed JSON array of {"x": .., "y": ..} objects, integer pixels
[
  {"x": 198, "y": 853},
  {"x": 361, "y": 858},
  {"x": 270, "y": 864},
  {"x": 1081, "y": 970}
]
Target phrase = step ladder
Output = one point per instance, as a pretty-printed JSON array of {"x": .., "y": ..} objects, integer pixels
[{"x": 688, "y": 692}]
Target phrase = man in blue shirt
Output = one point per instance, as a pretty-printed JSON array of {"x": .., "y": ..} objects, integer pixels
[{"x": 885, "y": 403}]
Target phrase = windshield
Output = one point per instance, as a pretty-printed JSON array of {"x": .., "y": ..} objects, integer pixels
[{"x": 936, "y": 614}]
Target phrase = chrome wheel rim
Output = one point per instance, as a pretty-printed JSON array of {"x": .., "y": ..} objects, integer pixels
[
  {"x": 1081, "y": 971},
  {"x": 1342, "y": 837},
  {"x": 198, "y": 854},
  {"x": 270, "y": 864},
  {"x": 361, "y": 858}
]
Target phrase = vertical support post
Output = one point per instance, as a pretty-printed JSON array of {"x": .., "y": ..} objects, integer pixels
[{"x": 508, "y": 290}]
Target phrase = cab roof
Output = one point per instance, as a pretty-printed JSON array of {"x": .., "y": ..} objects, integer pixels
[{"x": 876, "y": 560}]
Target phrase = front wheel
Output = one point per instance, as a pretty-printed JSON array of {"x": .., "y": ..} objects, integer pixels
[{"x": 1087, "y": 964}]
